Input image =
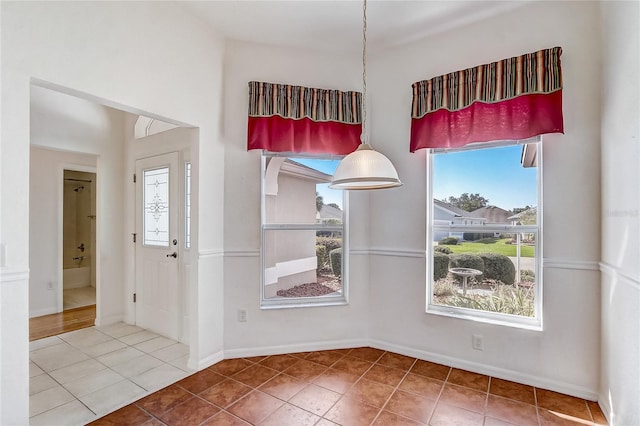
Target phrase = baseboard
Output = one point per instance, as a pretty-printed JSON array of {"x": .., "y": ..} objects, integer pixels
[
  {"x": 42, "y": 312},
  {"x": 298, "y": 347},
  {"x": 198, "y": 365},
  {"x": 606, "y": 408},
  {"x": 110, "y": 319},
  {"x": 514, "y": 376}
]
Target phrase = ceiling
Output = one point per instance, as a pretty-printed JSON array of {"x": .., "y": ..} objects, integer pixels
[{"x": 337, "y": 25}]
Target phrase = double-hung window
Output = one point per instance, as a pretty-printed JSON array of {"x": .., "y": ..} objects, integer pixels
[
  {"x": 484, "y": 232},
  {"x": 304, "y": 240}
]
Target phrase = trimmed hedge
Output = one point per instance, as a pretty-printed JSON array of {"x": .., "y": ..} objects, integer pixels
[
  {"x": 498, "y": 267},
  {"x": 448, "y": 241},
  {"x": 329, "y": 243},
  {"x": 321, "y": 255},
  {"x": 442, "y": 249},
  {"x": 335, "y": 257},
  {"x": 464, "y": 260},
  {"x": 440, "y": 265}
]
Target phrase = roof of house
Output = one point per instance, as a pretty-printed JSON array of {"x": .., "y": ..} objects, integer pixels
[
  {"x": 532, "y": 210},
  {"x": 493, "y": 214},
  {"x": 452, "y": 209},
  {"x": 330, "y": 212}
]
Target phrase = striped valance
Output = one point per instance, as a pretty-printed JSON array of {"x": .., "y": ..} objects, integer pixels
[
  {"x": 514, "y": 98},
  {"x": 302, "y": 119}
]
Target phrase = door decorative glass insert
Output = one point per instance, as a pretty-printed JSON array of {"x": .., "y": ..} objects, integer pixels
[{"x": 156, "y": 207}]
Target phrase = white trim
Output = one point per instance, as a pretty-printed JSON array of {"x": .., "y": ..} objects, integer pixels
[
  {"x": 109, "y": 319},
  {"x": 297, "y": 347},
  {"x": 502, "y": 373},
  {"x": 585, "y": 265},
  {"x": 616, "y": 272},
  {"x": 416, "y": 254},
  {"x": 203, "y": 254},
  {"x": 8, "y": 275},
  {"x": 242, "y": 253},
  {"x": 290, "y": 267},
  {"x": 208, "y": 361},
  {"x": 606, "y": 408}
]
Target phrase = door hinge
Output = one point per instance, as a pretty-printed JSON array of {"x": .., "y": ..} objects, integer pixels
[
  {"x": 134, "y": 178},
  {"x": 134, "y": 237},
  {"x": 134, "y": 298}
]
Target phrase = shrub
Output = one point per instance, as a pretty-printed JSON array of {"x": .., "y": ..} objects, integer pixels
[
  {"x": 335, "y": 257},
  {"x": 442, "y": 249},
  {"x": 505, "y": 299},
  {"x": 476, "y": 236},
  {"x": 464, "y": 260},
  {"x": 498, "y": 267},
  {"x": 321, "y": 255},
  {"x": 440, "y": 265},
  {"x": 329, "y": 243},
  {"x": 527, "y": 275},
  {"x": 448, "y": 241}
]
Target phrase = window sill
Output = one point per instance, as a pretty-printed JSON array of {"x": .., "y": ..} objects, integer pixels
[
  {"x": 486, "y": 318},
  {"x": 303, "y": 303}
]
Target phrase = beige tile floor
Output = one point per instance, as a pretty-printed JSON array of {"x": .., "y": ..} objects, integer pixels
[
  {"x": 82, "y": 375},
  {"x": 77, "y": 297}
]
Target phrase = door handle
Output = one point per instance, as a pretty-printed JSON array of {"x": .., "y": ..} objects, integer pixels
[{"x": 174, "y": 255}]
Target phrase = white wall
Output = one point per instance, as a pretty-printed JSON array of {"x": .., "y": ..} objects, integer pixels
[
  {"x": 44, "y": 225},
  {"x": 62, "y": 122},
  {"x": 565, "y": 355},
  {"x": 620, "y": 371},
  {"x": 280, "y": 330},
  {"x": 147, "y": 57}
]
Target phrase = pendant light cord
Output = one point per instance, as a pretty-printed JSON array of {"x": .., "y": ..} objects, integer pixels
[{"x": 363, "y": 137}]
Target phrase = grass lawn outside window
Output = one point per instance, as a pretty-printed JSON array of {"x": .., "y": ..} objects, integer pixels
[{"x": 480, "y": 267}]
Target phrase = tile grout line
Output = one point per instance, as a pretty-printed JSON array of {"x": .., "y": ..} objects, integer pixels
[
  {"x": 94, "y": 358},
  {"x": 394, "y": 389}
]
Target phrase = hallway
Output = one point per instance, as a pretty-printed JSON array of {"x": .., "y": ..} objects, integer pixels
[{"x": 81, "y": 375}]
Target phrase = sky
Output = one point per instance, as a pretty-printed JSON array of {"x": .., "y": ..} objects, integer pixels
[
  {"x": 494, "y": 173},
  {"x": 329, "y": 167}
]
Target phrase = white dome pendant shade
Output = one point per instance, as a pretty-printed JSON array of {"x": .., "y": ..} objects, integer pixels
[{"x": 365, "y": 168}]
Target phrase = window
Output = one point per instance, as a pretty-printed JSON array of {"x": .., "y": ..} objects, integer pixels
[
  {"x": 303, "y": 232},
  {"x": 156, "y": 207},
  {"x": 484, "y": 233}
]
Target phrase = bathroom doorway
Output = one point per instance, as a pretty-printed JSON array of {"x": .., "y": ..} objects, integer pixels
[{"x": 78, "y": 239}]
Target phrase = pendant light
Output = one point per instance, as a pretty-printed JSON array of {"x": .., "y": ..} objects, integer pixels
[{"x": 365, "y": 168}]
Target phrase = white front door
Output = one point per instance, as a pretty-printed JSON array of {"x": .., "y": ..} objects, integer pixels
[{"x": 158, "y": 245}]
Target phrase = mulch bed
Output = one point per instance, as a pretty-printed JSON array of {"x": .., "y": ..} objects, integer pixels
[{"x": 325, "y": 285}]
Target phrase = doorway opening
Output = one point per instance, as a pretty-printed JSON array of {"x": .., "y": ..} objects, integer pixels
[{"x": 78, "y": 239}]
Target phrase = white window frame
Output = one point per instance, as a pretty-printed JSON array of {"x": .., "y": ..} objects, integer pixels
[
  {"x": 298, "y": 302},
  {"x": 534, "y": 323}
]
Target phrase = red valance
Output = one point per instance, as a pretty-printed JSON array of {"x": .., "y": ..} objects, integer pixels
[
  {"x": 516, "y": 98},
  {"x": 285, "y": 118}
]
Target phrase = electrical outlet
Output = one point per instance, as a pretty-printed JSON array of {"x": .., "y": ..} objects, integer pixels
[
  {"x": 477, "y": 342},
  {"x": 242, "y": 315}
]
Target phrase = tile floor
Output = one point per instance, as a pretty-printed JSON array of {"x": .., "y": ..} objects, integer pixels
[
  {"x": 350, "y": 387},
  {"x": 82, "y": 375},
  {"x": 78, "y": 297}
]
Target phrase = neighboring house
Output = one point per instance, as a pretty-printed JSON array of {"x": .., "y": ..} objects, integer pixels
[
  {"x": 290, "y": 198},
  {"x": 524, "y": 217},
  {"x": 494, "y": 215},
  {"x": 329, "y": 214},
  {"x": 447, "y": 214}
]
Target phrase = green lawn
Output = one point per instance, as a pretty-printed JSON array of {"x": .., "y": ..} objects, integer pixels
[{"x": 493, "y": 245}]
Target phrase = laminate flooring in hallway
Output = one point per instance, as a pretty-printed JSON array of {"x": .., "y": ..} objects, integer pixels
[{"x": 79, "y": 376}]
